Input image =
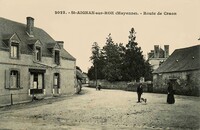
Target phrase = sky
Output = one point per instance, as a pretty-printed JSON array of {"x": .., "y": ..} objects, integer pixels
[{"x": 80, "y": 31}]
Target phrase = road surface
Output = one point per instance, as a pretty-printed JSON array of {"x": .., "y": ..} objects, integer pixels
[{"x": 103, "y": 110}]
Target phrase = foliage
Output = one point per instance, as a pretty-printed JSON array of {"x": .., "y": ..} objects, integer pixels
[
  {"x": 78, "y": 68},
  {"x": 98, "y": 63},
  {"x": 133, "y": 60},
  {"x": 112, "y": 69},
  {"x": 115, "y": 62}
]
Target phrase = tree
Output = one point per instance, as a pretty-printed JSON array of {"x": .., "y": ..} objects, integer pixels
[
  {"x": 115, "y": 62},
  {"x": 78, "y": 68},
  {"x": 92, "y": 73},
  {"x": 98, "y": 61},
  {"x": 134, "y": 63},
  {"x": 148, "y": 72},
  {"x": 112, "y": 57}
]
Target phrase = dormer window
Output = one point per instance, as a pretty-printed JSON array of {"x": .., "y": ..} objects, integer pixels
[
  {"x": 36, "y": 47},
  {"x": 57, "y": 57},
  {"x": 55, "y": 48},
  {"x": 12, "y": 41},
  {"x": 14, "y": 50},
  {"x": 38, "y": 54}
]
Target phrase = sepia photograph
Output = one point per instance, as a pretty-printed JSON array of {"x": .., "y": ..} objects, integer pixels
[{"x": 99, "y": 65}]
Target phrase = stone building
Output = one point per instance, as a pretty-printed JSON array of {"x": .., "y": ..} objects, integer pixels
[
  {"x": 182, "y": 68},
  {"x": 157, "y": 56},
  {"x": 32, "y": 62}
]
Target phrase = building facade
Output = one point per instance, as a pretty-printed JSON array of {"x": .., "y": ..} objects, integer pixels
[
  {"x": 157, "y": 56},
  {"x": 32, "y": 63},
  {"x": 182, "y": 69}
]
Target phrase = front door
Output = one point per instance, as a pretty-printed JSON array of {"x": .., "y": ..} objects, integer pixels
[
  {"x": 174, "y": 84},
  {"x": 56, "y": 86},
  {"x": 37, "y": 83}
]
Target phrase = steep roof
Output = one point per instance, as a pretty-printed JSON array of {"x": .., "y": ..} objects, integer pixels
[
  {"x": 8, "y": 28},
  {"x": 181, "y": 60}
]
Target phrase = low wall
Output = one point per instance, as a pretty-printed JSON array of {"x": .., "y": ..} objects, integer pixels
[{"x": 122, "y": 85}]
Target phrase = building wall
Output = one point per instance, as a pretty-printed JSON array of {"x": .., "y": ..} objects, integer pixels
[
  {"x": 158, "y": 55},
  {"x": 155, "y": 62},
  {"x": 187, "y": 83},
  {"x": 66, "y": 70}
]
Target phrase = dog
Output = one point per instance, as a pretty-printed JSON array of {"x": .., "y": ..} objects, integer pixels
[
  {"x": 98, "y": 87},
  {"x": 144, "y": 99}
]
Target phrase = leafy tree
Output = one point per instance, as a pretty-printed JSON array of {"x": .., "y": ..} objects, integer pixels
[
  {"x": 115, "y": 62},
  {"x": 148, "y": 72},
  {"x": 94, "y": 58},
  {"x": 91, "y": 73},
  {"x": 98, "y": 61},
  {"x": 78, "y": 68},
  {"x": 134, "y": 63},
  {"x": 111, "y": 53}
]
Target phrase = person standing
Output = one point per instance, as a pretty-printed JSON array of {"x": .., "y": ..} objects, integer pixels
[
  {"x": 170, "y": 94},
  {"x": 139, "y": 92}
]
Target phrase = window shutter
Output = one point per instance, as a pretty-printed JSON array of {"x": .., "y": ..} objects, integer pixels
[
  {"x": 31, "y": 81},
  {"x": 7, "y": 79},
  {"x": 40, "y": 85},
  {"x": 58, "y": 80},
  {"x": 18, "y": 81}
]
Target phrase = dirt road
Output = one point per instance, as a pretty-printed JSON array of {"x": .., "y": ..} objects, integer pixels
[{"x": 103, "y": 110}]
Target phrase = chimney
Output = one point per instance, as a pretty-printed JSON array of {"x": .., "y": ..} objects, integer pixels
[
  {"x": 30, "y": 26},
  {"x": 166, "y": 48},
  {"x": 156, "y": 51},
  {"x": 60, "y": 43}
]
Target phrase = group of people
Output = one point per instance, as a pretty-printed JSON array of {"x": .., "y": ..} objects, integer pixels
[{"x": 170, "y": 94}]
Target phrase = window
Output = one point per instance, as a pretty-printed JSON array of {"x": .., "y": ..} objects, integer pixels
[
  {"x": 14, "y": 51},
  {"x": 57, "y": 57},
  {"x": 38, "y": 54},
  {"x": 12, "y": 79}
]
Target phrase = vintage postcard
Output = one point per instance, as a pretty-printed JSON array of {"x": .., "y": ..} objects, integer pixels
[{"x": 81, "y": 65}]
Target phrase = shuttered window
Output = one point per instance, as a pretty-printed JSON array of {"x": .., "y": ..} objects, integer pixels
[{"x": 12, "y": 79}]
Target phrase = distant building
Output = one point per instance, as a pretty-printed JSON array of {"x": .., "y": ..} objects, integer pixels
[
  {"x": 85, "y": 79},
  {"x": 182, "y": 69},
  {"x": 157, "y": 56},
  {"x": 32, "y": 63}
]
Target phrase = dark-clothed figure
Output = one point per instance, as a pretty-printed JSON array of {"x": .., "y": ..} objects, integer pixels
[
  {"x": 99, "y": 87},
  {"x": 170, "y": 94},
  {"x": 139, "y": 92}
]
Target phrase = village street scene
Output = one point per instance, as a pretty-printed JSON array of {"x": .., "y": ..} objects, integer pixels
[{"x": 99, "y": 67}]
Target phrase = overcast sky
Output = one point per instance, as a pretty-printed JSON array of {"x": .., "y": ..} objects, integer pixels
[{"x": 80, "y": 31}]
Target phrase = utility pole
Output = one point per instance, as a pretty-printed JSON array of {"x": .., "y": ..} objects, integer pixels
[{"x": 95, "y": 67}]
